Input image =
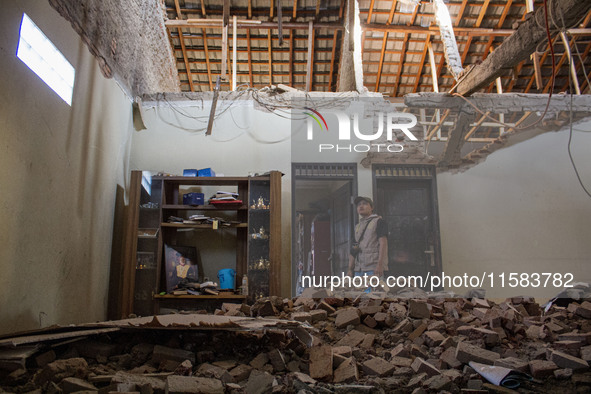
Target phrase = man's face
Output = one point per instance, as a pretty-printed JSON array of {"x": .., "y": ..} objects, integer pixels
[
  {"x": 364, "y": 209},
  {"x": 182, "y": 261}
]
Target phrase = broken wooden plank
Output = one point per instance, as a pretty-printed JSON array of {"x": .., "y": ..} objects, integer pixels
[
  {"x": 520, "y": 45},
  {"x": 455, "y": 140},
  {"x": 499, "y": 103}
]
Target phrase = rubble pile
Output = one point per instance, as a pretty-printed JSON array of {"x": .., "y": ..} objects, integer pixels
[{"x": 340, "y": 345}]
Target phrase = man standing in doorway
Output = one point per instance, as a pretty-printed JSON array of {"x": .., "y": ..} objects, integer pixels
[{"x": 369, "y": 253}]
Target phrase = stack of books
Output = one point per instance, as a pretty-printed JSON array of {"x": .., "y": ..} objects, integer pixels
[{"x": 222, "y": 197}]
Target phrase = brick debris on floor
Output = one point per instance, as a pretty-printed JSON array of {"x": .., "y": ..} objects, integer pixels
[{"x": 312, "y": 344}]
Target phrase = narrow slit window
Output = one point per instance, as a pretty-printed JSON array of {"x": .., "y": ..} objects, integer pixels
[{"x": 45, "y": 60}]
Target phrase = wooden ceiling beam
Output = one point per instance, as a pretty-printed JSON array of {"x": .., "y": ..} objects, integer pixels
[
  {"x": 438, "y": 125},
  {"x": 506, "y": 102},
  {"x": 458, "y": 31},
  {"x": 403, "y": 54},
  {"x": 520, "y": 45},
  {"x": 269, "y": 46},
  {"x": 291, "y": 81},
  {"x": 381, "y": 63},
  {"x": 249, "y": 59},
  {"x": 542, "y": 59},
  {"x": 205, "y": 47},
  {"x": 422, "y": 64},
  {"x": 456, "y": 138},
  {"x": 499, "y": 26},
  {"x": 295, "y": 9},
  {"x": 481, "y": 15},
  {"x": 310, "y": 63},
  {"x": 368, "y": 21},
  {"x": 384, "y": 44},
  {"x": 183, "y": 48},
  {"x": 334, "y": 49}
]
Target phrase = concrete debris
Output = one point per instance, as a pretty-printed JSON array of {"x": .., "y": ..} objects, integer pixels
[{"x": 319, "y": 344}]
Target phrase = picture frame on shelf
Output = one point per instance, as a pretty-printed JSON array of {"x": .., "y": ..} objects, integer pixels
[{"x": 181, "y": 262}]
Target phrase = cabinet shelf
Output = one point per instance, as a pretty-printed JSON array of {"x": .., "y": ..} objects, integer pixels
[
  {"x": 203, "y": 208},
  {"x": 143, "y": 286},
  {"x": 202, "y": 297},
  {"x": 203, "y": 226}
]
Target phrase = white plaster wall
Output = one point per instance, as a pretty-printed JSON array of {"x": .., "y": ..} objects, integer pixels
[
  {"x": 59, "y": 170},
  {"x": 522, "y": 210},
  {"x": 243, "y": 141}
]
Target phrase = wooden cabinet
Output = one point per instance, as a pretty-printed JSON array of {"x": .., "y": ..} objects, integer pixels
[{"x": 250, "y": 237}]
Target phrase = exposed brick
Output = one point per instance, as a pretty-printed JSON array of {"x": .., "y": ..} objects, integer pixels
[
  {"x": 259, "y": 361},
  {"x": 417, "y": 332},
  {"x": 404, "y": 326},
  {"x": 212, "y": 371},
  {"x": 277, "y": 360},
  {"x": 162, "y": 353},
  {"x": 240, "y": 373},
  {"x": 400, "y": 361},
  {"x": 302, "y": 377},
  {"x": 377, "y": 366},
  {"x": 400, "y": 351},
  {"x": 480, "y": 303},
  {"x": 438, "y": 325},
  {"x": 416, "y": 380},
  {"x": 324, "y": 306},
  {"x": 513, "y": 363},
  {"x": 584, "y": 310},
  {"x": 368, "y": 341},
  {"x": 564, "y": 360},
  {"x": 542, "y": 368},
  {"x": 337, "y": 359},
  {"x": 584, "y": 338},
  {"x": 586, "y": 353},
  {"x": 342, "y": 350},
  {"x": 491, "y": 338},
  {"x": 72, "y": 385},
  {"x": 259, "y": 382},
  {"x": 433, "y": 338},
  {"x": 565, "y": 373},
  {"x": 370, "y": 322},
  {"x": 421, "y": 366},
  {"x": 370, "y": 310},
  {"x": 302, "y": 316},
  {"x": 318, "y": 315},
  {"x": 466, "y": 352},
  {"x": 189, "y": 384},
  {"x": 352, "y": 339},
  {"x": 449, "y": 358},
  {"x": 346, "y": 372},
  {"x": 45, "y": 358},
  {"x": 438, "y": 383},
  {"x": 418, "y": 309},
  {"x": 346, "y": 317},
  {"x": 321, "y": 362},
  {"x": 154, "y": 384},
  {"x": 61, "y": 369}
]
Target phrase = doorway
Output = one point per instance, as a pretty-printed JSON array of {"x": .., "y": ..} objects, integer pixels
[
  {"x": 322, "y": 219},
  {"x": 406, "y": 197}
]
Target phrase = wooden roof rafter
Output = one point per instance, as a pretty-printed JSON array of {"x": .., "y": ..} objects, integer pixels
[
  {"x": 183, "y": 48},
  {"x": 384, "y": 43}
]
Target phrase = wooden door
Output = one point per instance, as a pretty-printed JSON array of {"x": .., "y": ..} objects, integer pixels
[{"x": 408, "y": 207}]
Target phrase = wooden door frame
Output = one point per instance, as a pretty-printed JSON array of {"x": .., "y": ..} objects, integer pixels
[
  {"x": 414, "y": 172},
  {"x": 351, "y": 176}
]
